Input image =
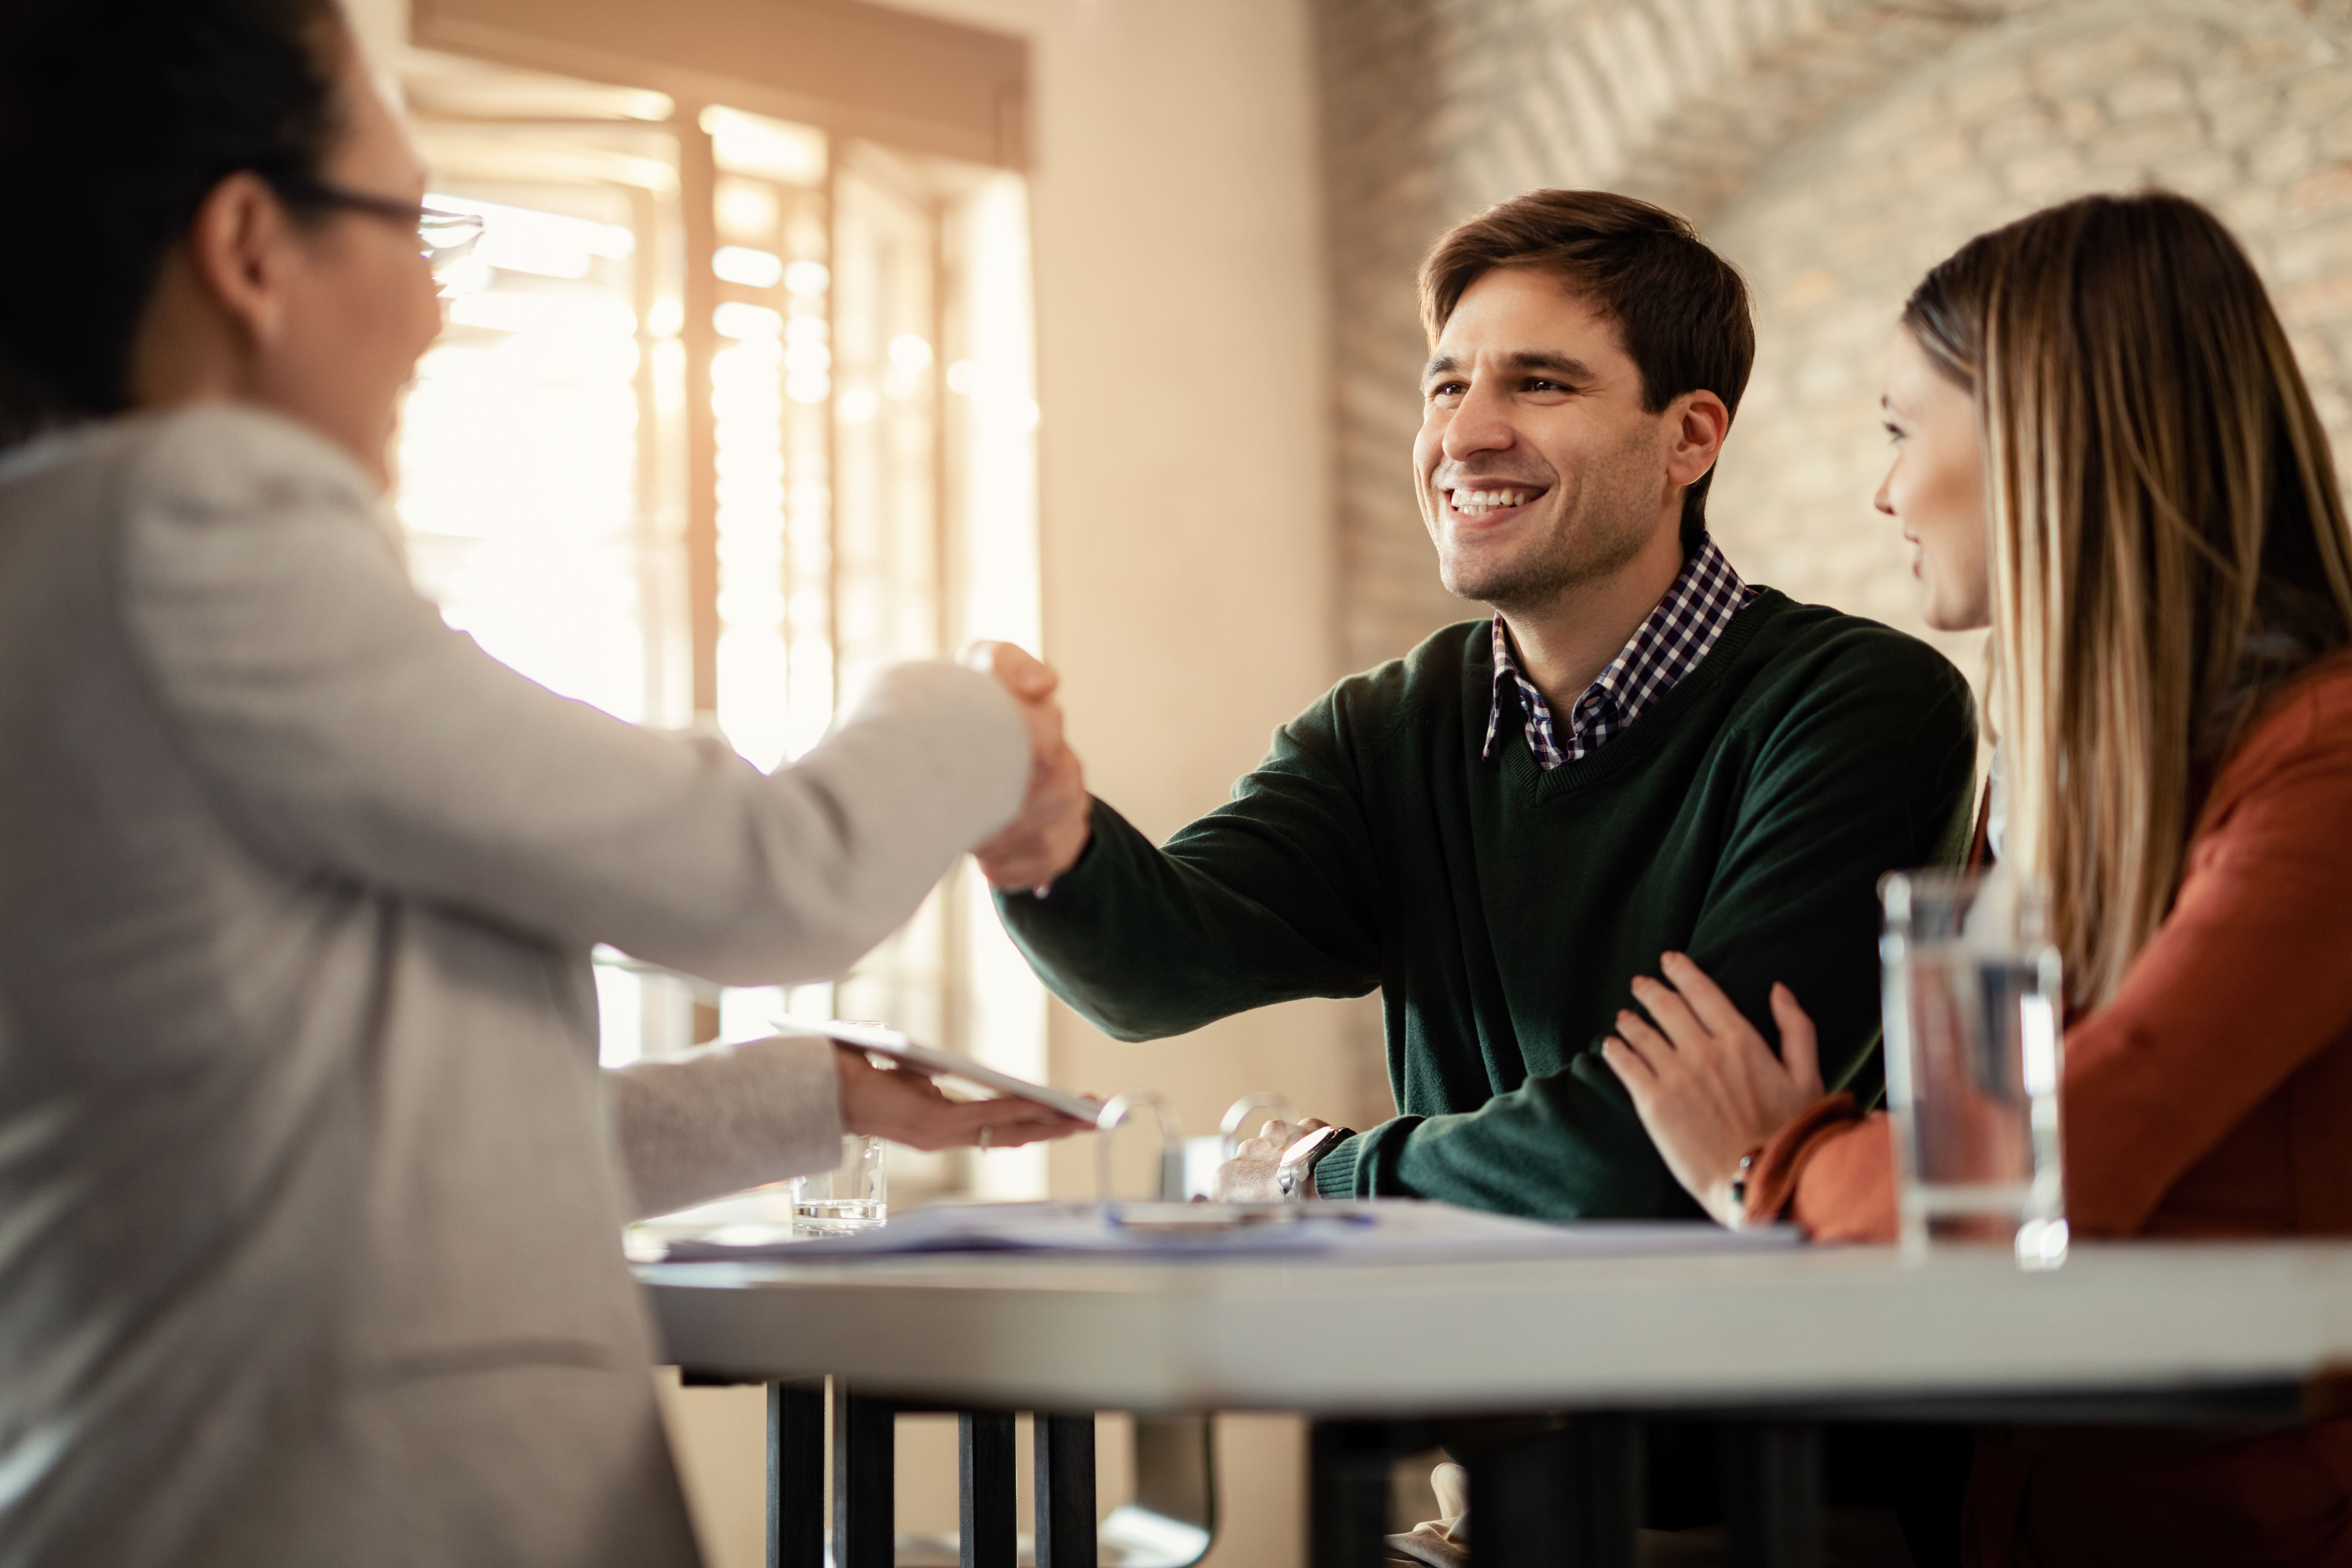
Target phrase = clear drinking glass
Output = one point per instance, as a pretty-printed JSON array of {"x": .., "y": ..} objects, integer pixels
[
  {"x": 1974, "y": 1007},
  {"x": 854, "y": 1195}
]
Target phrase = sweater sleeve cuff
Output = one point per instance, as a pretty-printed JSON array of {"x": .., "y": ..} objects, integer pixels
[
  {"x": 1772, "y": 1184},
  {"x": 725, "y": 1118},
  {"x": 1022, "y": 903},
  {"x": 1335, "y": 1174}
]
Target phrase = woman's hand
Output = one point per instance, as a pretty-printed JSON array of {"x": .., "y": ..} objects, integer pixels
[
  {"x": 907, "y": 1108},
  {"x": 1056, "y": 813},
  {"x": 1707, "y": 1087}
]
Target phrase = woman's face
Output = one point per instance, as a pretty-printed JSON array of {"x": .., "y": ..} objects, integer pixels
[
  {"x": 321, "y": 320},
  {"x": 362, "y": 308},
  {"x": 1936, "y": 488}
]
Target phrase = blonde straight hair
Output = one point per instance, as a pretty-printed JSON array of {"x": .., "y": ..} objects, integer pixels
[{"x": 2168, "y": 543}]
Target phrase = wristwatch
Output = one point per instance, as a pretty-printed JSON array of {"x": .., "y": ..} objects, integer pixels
[{"x": 1294, "y": 1175}]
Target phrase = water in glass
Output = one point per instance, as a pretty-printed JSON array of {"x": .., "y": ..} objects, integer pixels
[
  {"x": 1974, "y": 1004},
  {"x": 854, "y": 1195}
]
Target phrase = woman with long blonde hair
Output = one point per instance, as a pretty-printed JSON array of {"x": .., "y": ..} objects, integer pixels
[{"x": 2107, "y": 453}]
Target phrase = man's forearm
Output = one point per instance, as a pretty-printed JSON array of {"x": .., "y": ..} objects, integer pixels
[
  {"x": 1562, "y": 1146},
  {"x": 1145, "y": 945}
]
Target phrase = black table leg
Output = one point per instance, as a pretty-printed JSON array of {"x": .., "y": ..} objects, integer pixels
[
  {"x": 1066, "y": 1490},
  {"x": 864, "y": 1491},
  {"x": 1521, "y": 1502},
  {"x": 1605, "y": 1490},
  {"x": 987, "y": 1525},
  {"x": 796, "y": 1475},
  {"x": 1348, "y": 1493},
  {"x": 1772, "y": 1493}
]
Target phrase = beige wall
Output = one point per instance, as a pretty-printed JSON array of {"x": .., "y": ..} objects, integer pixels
[{"x": 1187, "y": 554}]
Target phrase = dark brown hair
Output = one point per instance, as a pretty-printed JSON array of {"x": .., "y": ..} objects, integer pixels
[{"x": 1683, "y": 310}]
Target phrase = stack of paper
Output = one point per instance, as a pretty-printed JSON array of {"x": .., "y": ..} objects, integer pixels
[{"x": 1378, "y": 1230}]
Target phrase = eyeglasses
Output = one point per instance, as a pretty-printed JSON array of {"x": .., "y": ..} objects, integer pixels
[{"x": 444, "y": 238}]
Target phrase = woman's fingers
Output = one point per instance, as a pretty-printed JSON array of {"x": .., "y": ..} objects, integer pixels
[
  {"x": 1704, "y": 997},
  {"x": 1656, "y": 1051},
  {"x": 1673, "y": 1013},
  {"x": 1801, "y": 1051},
  {"x": 907, "y": 1108},
  {"x": 1008, "y": 1123},
  {"x": 1625, "y": 1057},
  {"x": 1027, "y": 1130},
  {"x": 1023, "y": 674},
  {"x": 1640, "y": 1080}
]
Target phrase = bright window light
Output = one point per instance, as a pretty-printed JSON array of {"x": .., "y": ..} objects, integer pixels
[
  {"x": 909, "y": 351},
  {"x": 519, "y": 478},
  {"x": 772, "y": 149},
  {"x": 753, "y": 268},
  {"x": 550, "y": 244},
  {"x": 507, "y": 310},
  {"x": 735, "y": 319}
]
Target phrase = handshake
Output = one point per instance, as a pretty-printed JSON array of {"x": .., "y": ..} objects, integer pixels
[{"x": 1050, "y": 831}]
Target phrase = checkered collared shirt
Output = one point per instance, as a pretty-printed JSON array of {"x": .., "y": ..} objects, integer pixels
[{"x": 1679, "y": 633}]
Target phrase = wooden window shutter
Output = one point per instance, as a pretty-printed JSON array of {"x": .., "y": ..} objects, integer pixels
[{"x": 852, "y": 68}]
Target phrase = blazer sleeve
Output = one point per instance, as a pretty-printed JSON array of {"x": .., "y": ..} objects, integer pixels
[{"x": 345, "y": 730}]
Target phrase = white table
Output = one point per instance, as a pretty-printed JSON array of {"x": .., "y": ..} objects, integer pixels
[{"x": 2149, "y": 1331}]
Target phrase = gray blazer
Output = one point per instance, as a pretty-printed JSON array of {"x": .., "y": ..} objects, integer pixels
[{"x": 307, "y": 1203}]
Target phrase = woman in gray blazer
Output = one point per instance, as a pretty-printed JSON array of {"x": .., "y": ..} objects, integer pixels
[{"x": 308, "y": 1186}]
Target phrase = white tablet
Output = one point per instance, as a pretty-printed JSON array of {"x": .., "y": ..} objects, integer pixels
[{"x": 938, "y": 1063}]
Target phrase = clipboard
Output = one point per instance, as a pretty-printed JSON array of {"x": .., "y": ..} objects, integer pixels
[{"x": 936, "y": 1063}]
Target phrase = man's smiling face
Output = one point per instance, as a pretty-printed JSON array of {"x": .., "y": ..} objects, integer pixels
[{"x": 1538, "y": 468}]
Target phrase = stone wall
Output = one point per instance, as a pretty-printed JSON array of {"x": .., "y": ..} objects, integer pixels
[{"x": 1834, "y": 149}]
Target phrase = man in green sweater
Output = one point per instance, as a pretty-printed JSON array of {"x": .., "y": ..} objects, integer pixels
[{"x": 1637, "y": 754}]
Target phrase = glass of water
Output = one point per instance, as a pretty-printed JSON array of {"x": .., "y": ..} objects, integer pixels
[
  {"x": 1974, "y": 1008},
  {"x": 854, "y": 1195}
]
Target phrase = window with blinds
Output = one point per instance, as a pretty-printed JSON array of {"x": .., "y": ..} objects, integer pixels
[{"x": 731, "y": 410}]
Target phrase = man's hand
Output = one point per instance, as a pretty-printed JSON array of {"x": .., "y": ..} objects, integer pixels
[
  {"x": 1707, "y": 1085},
  {"x": 906, "y": 1107},
  {"x": 1051, "y": 832}
]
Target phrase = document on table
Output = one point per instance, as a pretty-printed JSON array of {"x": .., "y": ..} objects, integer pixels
[{"x": 1373, "y": 1230}]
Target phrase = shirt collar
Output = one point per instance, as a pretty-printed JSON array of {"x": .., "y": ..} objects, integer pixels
[{"x": 1672, "y": 642}]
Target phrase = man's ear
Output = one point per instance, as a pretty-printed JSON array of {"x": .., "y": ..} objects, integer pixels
[
  {"x": 1696, "y": 423},
  {"x": 240, "y": 247}
]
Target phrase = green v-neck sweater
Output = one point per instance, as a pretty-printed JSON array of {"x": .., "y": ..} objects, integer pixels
[{"x": 1745, "y": 819}]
